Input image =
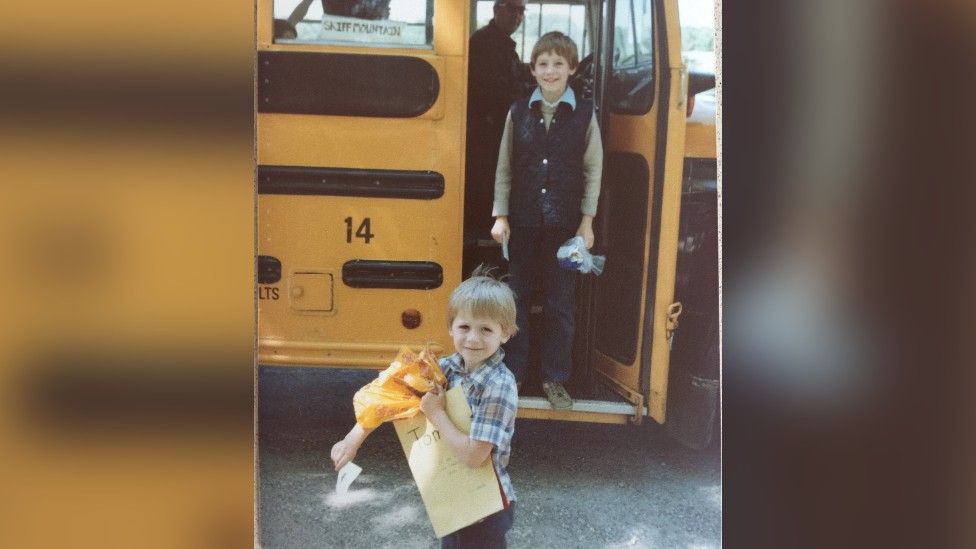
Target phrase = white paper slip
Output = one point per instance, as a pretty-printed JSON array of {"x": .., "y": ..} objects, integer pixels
[
  {"x": 347, "y": 474},
  {"x": 505, "y": 246}
]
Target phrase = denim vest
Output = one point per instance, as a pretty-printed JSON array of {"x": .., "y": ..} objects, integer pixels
[{"x": 547, "y": 167}]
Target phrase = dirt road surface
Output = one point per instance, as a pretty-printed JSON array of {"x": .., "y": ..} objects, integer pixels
[{"x": 577, "y": 484}]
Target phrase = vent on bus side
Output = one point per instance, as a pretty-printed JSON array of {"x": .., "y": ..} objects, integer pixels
[
  {"x": 409, "y": 275},
  {"x": 342, "y": 84},
  {"x": 300, "y": 180}
]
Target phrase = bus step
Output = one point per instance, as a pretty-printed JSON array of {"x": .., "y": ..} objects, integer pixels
[{"x": 597, "y": 406}]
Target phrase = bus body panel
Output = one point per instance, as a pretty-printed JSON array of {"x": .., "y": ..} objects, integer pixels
[{"x": 315, "y": 235}]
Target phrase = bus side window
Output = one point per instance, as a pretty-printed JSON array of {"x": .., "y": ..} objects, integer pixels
[{"x": 365, "y": 22}]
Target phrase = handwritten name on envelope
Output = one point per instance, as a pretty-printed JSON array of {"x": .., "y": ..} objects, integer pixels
[{"x": 455, "y": 496}]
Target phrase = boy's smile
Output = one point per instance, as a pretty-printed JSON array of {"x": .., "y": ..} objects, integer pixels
[
  {"x": 552, "y": 72},
  {"x": 476, "y": 338}
]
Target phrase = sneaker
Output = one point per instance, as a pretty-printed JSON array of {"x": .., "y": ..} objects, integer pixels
[{"x": 557, "y": 395}]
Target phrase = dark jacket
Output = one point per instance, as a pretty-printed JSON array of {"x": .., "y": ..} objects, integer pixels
[
  {"x": 547, "y": 167},
  {"x": 496, "y": 77}
]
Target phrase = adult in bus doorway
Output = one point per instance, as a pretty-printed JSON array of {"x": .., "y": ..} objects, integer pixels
[{"x": 496, "y": 78}]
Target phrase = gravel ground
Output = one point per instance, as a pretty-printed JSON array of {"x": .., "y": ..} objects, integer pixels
[{"x": 577, "y": 484}]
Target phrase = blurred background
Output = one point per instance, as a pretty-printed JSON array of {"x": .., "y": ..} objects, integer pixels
[
  {"x": 126, "y": 217},
  {"x": 127, "y": 224},
  {"x": 847, "y": 246}
]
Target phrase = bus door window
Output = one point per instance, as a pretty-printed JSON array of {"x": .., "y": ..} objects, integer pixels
[{"x": 631, "y": 89}]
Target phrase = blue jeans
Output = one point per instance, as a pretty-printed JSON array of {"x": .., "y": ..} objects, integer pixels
[
  {"x": 487, "y": 534},
  {"x": 532, "y": 251}
]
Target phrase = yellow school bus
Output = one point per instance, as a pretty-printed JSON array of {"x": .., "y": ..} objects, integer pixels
[{"x": 360, "y": 123}]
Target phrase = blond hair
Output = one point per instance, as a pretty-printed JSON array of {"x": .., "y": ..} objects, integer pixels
[
  {"x": 483, "y": 295},
  {"x": 558, "y": 43}
]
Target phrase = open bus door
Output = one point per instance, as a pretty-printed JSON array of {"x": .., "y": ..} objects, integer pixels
[
  {"x": 623, "y": 325},
  {"x": 644, "y": 94}
]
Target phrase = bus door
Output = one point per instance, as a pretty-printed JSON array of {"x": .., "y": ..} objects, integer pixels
[
  {"x": 641, "y": 90},
  {"x": 360, "y": 147}
]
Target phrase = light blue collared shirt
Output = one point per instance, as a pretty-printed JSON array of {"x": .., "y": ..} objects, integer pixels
[{"x": 567, "y": 97}]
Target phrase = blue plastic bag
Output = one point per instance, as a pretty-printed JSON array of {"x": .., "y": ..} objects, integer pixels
[{"x": 574, "y": 256}]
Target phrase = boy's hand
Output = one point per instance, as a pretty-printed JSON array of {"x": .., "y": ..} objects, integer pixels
[
  {"x": 587, "y": 234},
  {"x": 500, "y": 229},
  {"x": 343, "y": 452},
  {"x": 586, "y": 231},
  {"x": 434, "y": 401}
]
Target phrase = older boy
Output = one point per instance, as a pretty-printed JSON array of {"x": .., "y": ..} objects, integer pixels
[
  {"x": 481, "y": 315},
  {"x": 546, "y": 189}
]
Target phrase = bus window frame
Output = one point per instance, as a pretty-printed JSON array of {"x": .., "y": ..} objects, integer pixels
[
  {"x": 638, "y": 67},
  {"x": 428, "y": 44}
]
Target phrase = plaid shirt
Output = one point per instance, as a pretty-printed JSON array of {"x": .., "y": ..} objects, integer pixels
[{"x": 493, "y": 399}]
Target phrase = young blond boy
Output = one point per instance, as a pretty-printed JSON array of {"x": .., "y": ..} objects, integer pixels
[{"x": 481, "y": 316}]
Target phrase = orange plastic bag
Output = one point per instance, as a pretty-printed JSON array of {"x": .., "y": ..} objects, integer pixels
[{"x": 396, "y": 392}]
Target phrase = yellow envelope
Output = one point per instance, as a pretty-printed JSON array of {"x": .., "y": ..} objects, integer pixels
[{"x": 455, "y": 496}]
